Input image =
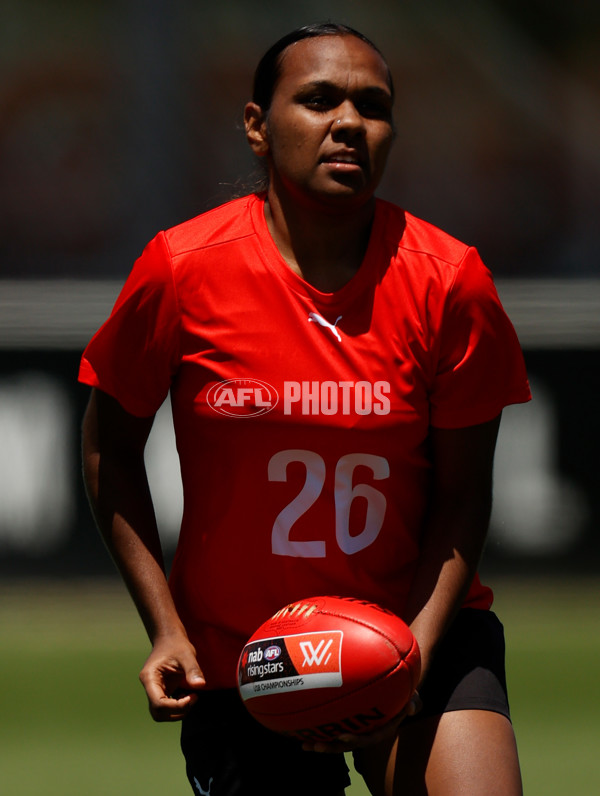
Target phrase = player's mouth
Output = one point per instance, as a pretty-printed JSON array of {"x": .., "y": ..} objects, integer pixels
[{"x": 343, "y": 161}]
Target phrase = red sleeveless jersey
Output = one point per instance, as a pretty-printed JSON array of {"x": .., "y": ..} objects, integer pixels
[{"x": 302, "y": 417}]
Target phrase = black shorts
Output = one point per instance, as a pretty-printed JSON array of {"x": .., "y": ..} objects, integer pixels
[
  {"x": 468, "y": 671},
  {"x": 229, "y": 754}
]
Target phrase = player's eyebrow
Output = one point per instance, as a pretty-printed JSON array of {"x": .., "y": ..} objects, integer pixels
[
  {"x": 329, "y": 86},
  {"x": 317, "y": 85}
]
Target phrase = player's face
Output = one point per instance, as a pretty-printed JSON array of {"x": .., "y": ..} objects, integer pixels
[{"x": 329, "y": 130}]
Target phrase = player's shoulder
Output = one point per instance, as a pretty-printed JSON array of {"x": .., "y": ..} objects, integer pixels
[
  {"x": 224, "y": 224},
  {"x": 413, "y": 236}
]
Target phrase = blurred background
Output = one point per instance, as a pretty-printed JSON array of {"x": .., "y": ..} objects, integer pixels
[
  {"x": 118, "y": 119},
  {"x": 122, "y": 117}
]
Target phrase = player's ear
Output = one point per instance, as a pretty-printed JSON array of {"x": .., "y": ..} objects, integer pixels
[{"x": 256, "y": 129}]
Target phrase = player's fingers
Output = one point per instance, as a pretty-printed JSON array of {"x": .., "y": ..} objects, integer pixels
[
  {"x": 171, "y": 708},
  {"x": 348, "y": 742},
  {"x": 193, "y": 675},
  {"x": 163, "y": 699},
  {"x": 414, "y": 706}
]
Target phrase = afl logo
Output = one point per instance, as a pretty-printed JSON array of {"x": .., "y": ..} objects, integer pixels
[
  {"x": 242, "y": 397},
  {"x": 272, "y": 653}
]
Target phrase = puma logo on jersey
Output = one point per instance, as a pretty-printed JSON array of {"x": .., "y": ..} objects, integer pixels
[
  {"x": 314, "y": 317},
  {"x": 199, "y": 786}
]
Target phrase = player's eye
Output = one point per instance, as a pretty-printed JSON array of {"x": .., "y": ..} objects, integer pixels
[
  {"x": 318, "y": 102},
  {"x": 374, "y": 109},
  {"x": 320, "y": 96}
]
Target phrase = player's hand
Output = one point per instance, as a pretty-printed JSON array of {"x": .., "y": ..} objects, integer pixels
[
  {"x": 171, "y": 675},
  {"x": 349, "y": 742}
]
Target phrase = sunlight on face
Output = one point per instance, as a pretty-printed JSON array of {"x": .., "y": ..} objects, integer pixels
[{"x": 329, "y": 128}]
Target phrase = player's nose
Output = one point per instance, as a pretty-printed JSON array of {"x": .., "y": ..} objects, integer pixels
[{"x": 347, "y": 117}]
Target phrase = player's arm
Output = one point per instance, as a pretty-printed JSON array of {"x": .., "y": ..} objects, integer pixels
[
  {"x": 450, "y": 549},
  {"x": 455, "y": 531},
  {"x": 117, "y": 486}
]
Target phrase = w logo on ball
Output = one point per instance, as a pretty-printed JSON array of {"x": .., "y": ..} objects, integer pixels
[{"x": 316, "y": 655}]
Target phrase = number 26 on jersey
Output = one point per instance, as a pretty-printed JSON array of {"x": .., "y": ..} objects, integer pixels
[{"x": 344, "y": 494}]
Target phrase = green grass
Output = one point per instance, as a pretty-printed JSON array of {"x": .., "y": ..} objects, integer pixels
[
  {"x": 74, "y": 717},
  {"x": 553, "y": 661}
]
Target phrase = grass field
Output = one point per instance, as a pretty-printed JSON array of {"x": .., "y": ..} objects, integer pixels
[{"x": 74, "y": 719}]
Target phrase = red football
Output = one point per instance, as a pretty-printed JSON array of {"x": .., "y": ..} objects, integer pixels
[{"x": 327, "y": 666}]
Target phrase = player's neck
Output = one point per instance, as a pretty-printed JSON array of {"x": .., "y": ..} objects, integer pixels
[{"x": 325, "y": 249}]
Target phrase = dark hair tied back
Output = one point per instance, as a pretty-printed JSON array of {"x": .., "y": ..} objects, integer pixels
[{"x": 269, "y": 68}]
